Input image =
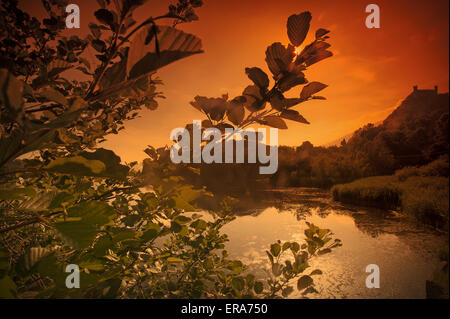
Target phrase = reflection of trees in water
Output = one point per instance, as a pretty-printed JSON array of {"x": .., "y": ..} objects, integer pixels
[{"x": 305, "y": 202}]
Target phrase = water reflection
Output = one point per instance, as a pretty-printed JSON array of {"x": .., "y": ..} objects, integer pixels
[{"x": 404, "y": 251}]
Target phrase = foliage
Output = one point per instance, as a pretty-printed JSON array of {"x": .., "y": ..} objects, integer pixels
[
  {"x": 317, "y": 242},
  {"x": 64, "y": 200},
  {"x": 264, "y": 104},
  {"x": 424, "y": 197}
]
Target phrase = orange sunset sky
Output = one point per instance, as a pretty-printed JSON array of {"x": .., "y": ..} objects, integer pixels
[{"x": 371, "y": 71}]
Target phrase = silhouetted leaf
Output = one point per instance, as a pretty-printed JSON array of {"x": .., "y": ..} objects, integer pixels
[
  {"x": 104, "y": 16},
  {"x": 277, "y": 101},
  {"x": 311, "y": 88},
  {"x": 258, "y": 76},
  {"x": 254, "y": 100},
  {"x": 99, "y": 45},
  {"x": 298, "y": 27},
  {"x": 291, "y": 80},
  {"x": 314, "y": 53},
  {"x": 278, "y": 58},
  {"x": 115, "y": 74},
  {"x": 57, "y": 66},
  {"x": 274, "y": 121},
  {"x": 235, "y": 113},
  {"x": 173, "y": 44},
  {"x": 292, "y": 102},
  {"x": 54, "y": 95},
  {"x": 321, "y": 32},
  {"x": 293, "y": 116}
]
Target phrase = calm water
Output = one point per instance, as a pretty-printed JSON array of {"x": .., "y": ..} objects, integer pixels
[{"x": 404, "y": 251}]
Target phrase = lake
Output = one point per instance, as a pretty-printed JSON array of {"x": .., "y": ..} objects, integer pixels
[{"x": 405, "y": 251}]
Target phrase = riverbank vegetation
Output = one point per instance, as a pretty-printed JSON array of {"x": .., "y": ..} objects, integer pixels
[{"x": 421, "y": 192}]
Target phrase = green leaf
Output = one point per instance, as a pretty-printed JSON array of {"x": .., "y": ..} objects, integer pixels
[
  {"x": 311, "y": 88},
  {"x": 304, "y": 282},
  {"x": 91, "y": 263},
  {"x": 175, "y": 227},
  {"x": 316, "y": 272},
  {"x": 30, "y": 258},
  {"x": 259, "y": 287},
  {"x": 109, "y": 288},
  {"x": 295, "y": 247},
  {"x": 199, "y": 224},
  {"x": 152, "y": 232},
  {"x": 174, "y": 260},
  {"x": 293, "y": 116},
  {"x": 17, "y": 193},
  {"x": 276, "y": 269},
  {"x": 275, "y": 249},
  {"x": 81, "y": 226},
  {"x": 250, "y": 280},
  {"x": 8, "y": 288},
  {"x": 173, "y": 44},
  {"x": 182, "y": 219},
  {"x": 102, "y": 163},
  {"x": 238, "y": 283},
  {"x": 76, "y": 165},
  {"x": 298, "y": 27},
  {"x": 237, "y": 267},
  {"x": 258, "y": 76}
]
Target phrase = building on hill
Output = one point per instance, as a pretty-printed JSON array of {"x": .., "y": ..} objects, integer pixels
[{"x": 416, "y": 90}]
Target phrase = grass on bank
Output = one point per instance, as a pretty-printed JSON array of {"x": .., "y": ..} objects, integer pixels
[{"x": 411, "y": 190}]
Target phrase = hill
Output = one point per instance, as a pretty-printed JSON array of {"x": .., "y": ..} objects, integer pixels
[{"x": 414, "y": 134}]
